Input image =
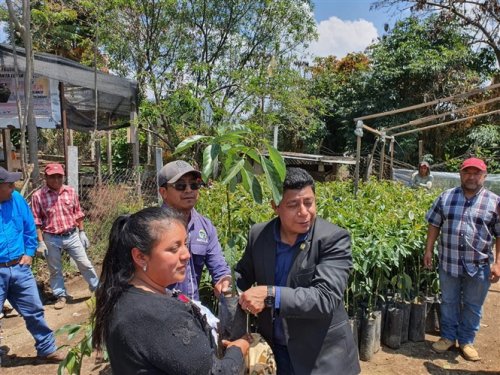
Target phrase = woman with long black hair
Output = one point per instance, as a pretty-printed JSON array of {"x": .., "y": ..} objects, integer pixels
[{"x": 146, "y": 328}]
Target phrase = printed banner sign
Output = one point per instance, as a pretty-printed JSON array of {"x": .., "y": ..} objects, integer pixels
[{"x": 46, "y": 103}]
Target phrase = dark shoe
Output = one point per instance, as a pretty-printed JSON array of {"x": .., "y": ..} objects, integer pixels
[
  {"x": 61, "y": 302},
  {"x": 54, "y": 357}
]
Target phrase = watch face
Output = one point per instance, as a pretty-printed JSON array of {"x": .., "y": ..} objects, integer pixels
[{"x": 269, "y": 301}]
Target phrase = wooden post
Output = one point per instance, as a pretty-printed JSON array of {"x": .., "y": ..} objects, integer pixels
[
  {"x": 369, "y": 164},
  {"x": 158, "y": 166},
  {"x": 109, "y": 152},
  {"x": 150, "y": 148},
  {"x": 64, "y": 121},
  {"x": 420, "y": 150},
  {"x": 98, "y": 168},
  {"x": 391, "y": 150},
  {"x": 134, "y": 139},
  {"x": 382, "y": 160},
  {"x": 7, "y": 149}
]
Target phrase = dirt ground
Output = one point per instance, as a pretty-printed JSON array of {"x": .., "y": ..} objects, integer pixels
[{"x": 411, "y": 358}]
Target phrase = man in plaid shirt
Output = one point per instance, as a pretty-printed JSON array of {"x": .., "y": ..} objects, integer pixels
[
  {"x": 59, "y": 222},
  {"x": 468, "y": 218}
]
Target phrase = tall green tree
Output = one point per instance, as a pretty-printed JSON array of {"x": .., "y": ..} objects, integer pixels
[
  {"x": 200, "y": 59},
  {"x": 416, "y": 61},
  {"x": 481, "y": 19}
]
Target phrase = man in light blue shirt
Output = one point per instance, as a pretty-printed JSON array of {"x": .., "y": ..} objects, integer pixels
[{"x": 18, "y": 243}]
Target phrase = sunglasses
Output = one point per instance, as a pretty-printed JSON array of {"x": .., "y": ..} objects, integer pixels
[{"x": 181, "y": 186}]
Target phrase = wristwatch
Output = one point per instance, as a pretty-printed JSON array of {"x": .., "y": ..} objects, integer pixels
[{"x": 269, "y": 300}]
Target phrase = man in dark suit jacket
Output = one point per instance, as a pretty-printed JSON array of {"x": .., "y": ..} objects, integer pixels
[{"x": 300, "y": 265}]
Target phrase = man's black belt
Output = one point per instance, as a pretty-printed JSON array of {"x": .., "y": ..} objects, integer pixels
[
  {"x": 10, "y": 263},
  {"x": 64, "y": 234}
]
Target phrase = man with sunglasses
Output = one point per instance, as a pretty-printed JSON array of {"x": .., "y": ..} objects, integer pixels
[{"x": 179, "y": 185}]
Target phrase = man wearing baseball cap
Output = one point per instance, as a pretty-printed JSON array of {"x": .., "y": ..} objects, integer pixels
[
  {"x": 179, "y": 185},
  {"x": 467, "y": 217},
  {"x": 59, "y": 221},
  {"x": 18, "y": 244}
]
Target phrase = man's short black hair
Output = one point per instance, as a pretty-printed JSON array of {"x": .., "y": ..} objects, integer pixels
[{"x": 297, "y": 179}]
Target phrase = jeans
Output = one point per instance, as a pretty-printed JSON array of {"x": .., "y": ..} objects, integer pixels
[
  {"x": 19, "y": 286},
  {"x": 462, "y": 302},
  {"x": 283, "y": 363},
  {"x": 73, "y": 245}
]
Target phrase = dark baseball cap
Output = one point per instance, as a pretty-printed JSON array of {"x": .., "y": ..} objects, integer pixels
[
  {"x": 6, "y": 176},
  {"x": 174, "y": 170}
]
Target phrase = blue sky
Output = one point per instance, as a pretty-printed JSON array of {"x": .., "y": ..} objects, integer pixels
[
  {"x": 347, "y": 26},
  {"x": 343, "y": 25}
]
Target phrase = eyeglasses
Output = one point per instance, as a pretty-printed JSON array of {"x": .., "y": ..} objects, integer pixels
[{"x": 181, "y": 186}]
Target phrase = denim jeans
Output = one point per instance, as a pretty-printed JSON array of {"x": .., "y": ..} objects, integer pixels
[
  {"x": 283, "y": 363},
  {"x": 75, "y": 249},
  {"x": 19, "y": 286},
  {"x": 462, "y": 303}
]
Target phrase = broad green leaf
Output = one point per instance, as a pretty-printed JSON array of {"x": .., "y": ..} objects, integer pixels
[
  {"x": 278, "y": 162},
  {"x": 188, "y": 142},
  {"x": 235, "y": 169},
  {"x": 254, "y": 155},
  {"x": 252, "y": 185},
  {"x": 210, "y": 156},
  {"x": 272, "y": 179}
]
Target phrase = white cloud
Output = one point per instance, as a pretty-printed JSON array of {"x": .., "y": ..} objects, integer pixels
[{"x": 338, "y": 37}]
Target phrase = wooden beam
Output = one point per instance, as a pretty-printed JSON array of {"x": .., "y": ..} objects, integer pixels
[
  {"x": 423, "y": 120},
  {"x": 423, "y": 105},
  {"x": 371, "y": 130},
  {"x": 446, "y": 123}
]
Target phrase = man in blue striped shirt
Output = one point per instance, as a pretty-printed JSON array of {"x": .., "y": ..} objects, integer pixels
[
  {"x": 468, "y": 218},
  {"x": 18, "y": 243}
]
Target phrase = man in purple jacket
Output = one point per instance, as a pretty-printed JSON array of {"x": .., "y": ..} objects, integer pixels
[{"x": 179, "y": 185}]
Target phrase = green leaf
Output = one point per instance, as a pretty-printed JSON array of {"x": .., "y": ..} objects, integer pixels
[
  {"x": 235, "y": 169},
  {"x": 188, "y": 142},
  {"x": 252, "y": 185},
  {"x": 272, "y": 178},
  {"x": 210, "y": 156},
  {"x": 278, "y": 162}
]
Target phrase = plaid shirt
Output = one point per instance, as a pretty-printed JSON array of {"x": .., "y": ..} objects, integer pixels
[
  {"x": 56, "y": 212},
  {"x": 467, "y": 229}
]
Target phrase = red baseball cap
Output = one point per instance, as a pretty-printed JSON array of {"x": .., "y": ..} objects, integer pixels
[
  {"x": 475, "y": 163},
  {"x": 54, "y": 168}
]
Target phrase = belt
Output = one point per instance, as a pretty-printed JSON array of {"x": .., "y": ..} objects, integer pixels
[
  {"x": 10, "y": 263},
  {"x": 64, "y": 234}
]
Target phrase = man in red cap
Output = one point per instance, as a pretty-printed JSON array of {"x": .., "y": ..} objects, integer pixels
[
  {"x": 59, "y": 221},
  {"x": 467, "y": 218}
]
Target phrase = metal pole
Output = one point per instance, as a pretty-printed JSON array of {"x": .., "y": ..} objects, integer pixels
[{"x": 359, "y": 133}]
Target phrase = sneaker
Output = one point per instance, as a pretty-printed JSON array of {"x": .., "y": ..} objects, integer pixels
[
  {"x": 61, "y": 302},
  {"x": 54, "y": 357},
  {"x": 442, "y": 345},
  {"x": 469, "y": 352}
]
